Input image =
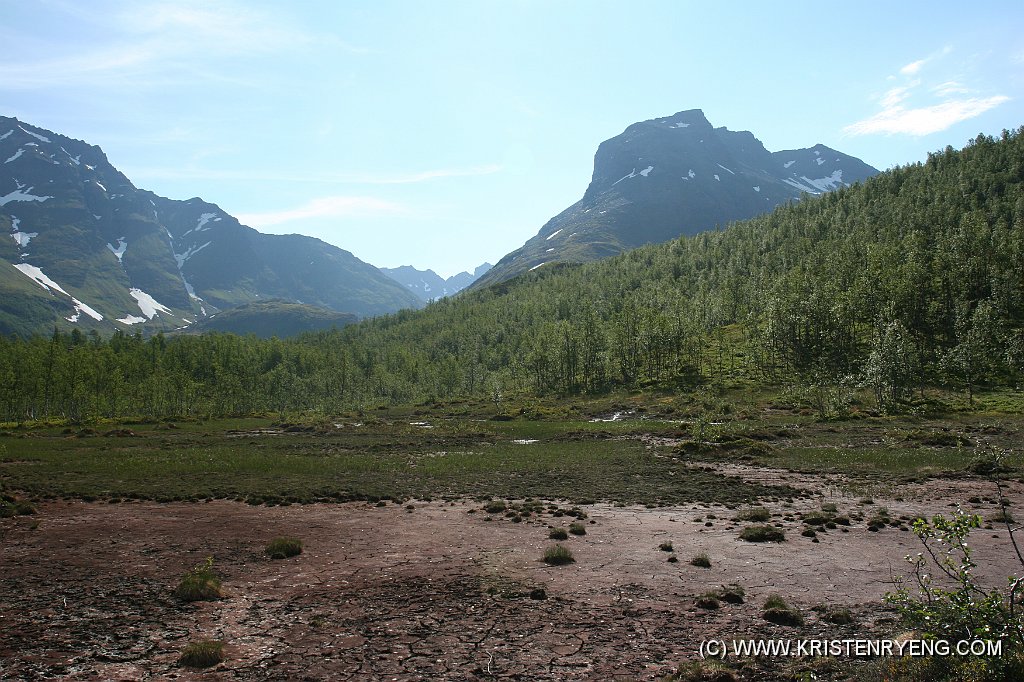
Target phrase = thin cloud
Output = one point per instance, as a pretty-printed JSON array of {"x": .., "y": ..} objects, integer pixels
[
  {"x": 314, "y": 178},
  {"x": 913, "y": 67},
  {"x": 324, "y": 207},
  {"x": 156, "y": 43},
  {"x": 924, "y": 120},
  {"x": 906, "y": 110}
]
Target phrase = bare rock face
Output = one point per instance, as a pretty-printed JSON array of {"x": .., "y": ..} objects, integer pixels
[{"x": 674, "y": 176}]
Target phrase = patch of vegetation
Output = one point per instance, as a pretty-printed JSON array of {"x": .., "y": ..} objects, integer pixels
[
  {"x": 558, "y": 534},
  {"x": 495, "y": 507},
  {"x": 577, "y": 528},
  {"x": 701, "y": 560},
  {"x": 731, "y": 594},
  {"x": 762, "y": 533},
  {"x": 283, "y": 548},
  {"x": 558, "y": 555},
  {"x": 666, "y": 546},
  {"x": 759, "y": 514},
  {"x": 199, "y": 584},
  {"x": 708, "y": 600},
  {"x": 204, "y": 654},
  {"x": 777, "y": 611},
  {"x": 837, "y": 615}
]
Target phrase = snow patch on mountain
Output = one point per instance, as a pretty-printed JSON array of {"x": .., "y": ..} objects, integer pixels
[
  {"x": 35, "y": 135},
  {"x": 20, "y": 195},
  {"x": 39, "y": 277},
  {"x": 553, "y": 234},
  {"x": 21, "y": 150},
  {"x": 122, "y": 244},
  {"x": 149, "y": 306},
  {"x": 192, "y": 250}
]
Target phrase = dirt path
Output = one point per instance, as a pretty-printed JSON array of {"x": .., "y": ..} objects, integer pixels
[{"x": 433, "y": 592}]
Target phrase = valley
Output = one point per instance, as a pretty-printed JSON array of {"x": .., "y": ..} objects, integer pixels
[{"x": 423, "y": 533}]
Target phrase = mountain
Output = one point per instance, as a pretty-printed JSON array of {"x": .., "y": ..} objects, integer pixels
[
  {"x": 674, "y": 176},
  {"x": 272, "y": 318},
  {"x": 429, "y": 285},
  {"x": 88, "y": 249}
]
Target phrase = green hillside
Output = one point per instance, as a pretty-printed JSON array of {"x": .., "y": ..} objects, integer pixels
[
  {"x": 914, "y": 279},
  {"x": 278, "y": 318}
]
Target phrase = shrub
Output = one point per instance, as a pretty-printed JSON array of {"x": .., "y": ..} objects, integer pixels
[
  {"x": 965, "y": 610},
  {"x": 199, "y": 584},
  {"x": 577, "y": 528},
  {"x": 702, "y": 560},
  {"x": 666, "y": 547},
  {"x": 202, "y": 654},
  {"x": 558, "y": 534},
  {"x": 282, "y": 548},
  {"x": 762, "y": 533},
  {"x": 558, "y": 555}
]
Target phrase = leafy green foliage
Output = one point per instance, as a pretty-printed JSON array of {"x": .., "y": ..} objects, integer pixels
[{"x": 914, "y": 278}]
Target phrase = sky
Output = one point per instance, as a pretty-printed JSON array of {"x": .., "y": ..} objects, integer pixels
[{"x": 444, "y": 134}]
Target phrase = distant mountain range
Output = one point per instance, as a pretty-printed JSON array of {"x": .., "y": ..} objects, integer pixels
[
  {"x": 88, "y": 249},
  {"x": 674, "y": 176},
  {"x": 429, "y": 285}
]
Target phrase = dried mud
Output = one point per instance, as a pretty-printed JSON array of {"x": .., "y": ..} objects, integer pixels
[{"x": 434, "y": 592}]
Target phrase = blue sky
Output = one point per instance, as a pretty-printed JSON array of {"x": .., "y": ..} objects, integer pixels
[{"x": 443, "y": 134}]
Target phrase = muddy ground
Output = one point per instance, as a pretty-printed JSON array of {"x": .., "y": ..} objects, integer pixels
[{"x": 435, "y": 592}]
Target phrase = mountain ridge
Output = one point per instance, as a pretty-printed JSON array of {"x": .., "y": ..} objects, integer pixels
[
  {"x": 429, "y": 285},
  {"x": 97, "y": 252},
  {"x": 672, "y": 176}
]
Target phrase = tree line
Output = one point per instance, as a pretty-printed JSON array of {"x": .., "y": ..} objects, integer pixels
[{"x": 912, "y": 279}]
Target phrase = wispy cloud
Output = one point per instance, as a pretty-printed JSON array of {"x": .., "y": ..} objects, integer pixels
[
  {"x": 924, "y": 120},
  {"x": 395, "y": 178},
  {"x": 912, "y": 109},
  {"x": 153, "y": 43},
  {"x": 324, "y": 207}
]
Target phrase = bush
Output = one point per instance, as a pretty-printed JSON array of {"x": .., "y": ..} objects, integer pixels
[
  {"x": 666, "y": 547},
  {"x": 558, "y": 534},
  {"x": 283, "y": 548},
  {"x": 558, "y": 555},
  {"x": 577, "y": 528},
  {"x": 731, "y": 594},
  {"x": 202, "y": 654},
  {"x": 708, "y": 600},
  {"x": 199, "y": 584},
  {"x": 965, "y": 610},
  {"x": 762, "y": 533}
]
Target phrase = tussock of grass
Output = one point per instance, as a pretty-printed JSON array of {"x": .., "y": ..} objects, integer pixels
[
  {"x": 199, "y": 584},
  {"x": 702, "y": 560},
  {"x": 283, "y": 548},
  {"x": 558, "y": 534},
  {"x": 577, "y": 528},
  {"x": 777, "y": 611},
  {"x": 762, "y": 533},
  {"x": 558, "y": 555},
  {"x": 753, "y": 514},
  {"x": 204, "y": 654}
]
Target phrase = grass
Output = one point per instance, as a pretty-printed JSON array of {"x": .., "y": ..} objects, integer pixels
[
  {"x": 203, "y": 654},
  {"x": 283, "y": 548},
  {"x": 759, "y": 514},
  {"x": 762, "y": 533},
  {"x": 777, "y": 611},
  {"x": 577, "y": 528},
  {"x": 252, "y": 460},
  {"x": 702, "y": 560},
  {"x": 558, "y": 555},
  {"x": 558, "y": 534},
  {"x": 199, "y": 584},
  {"x": 666, "y": 546}
]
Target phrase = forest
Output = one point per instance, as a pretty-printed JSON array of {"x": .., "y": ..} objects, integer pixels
[{"x": 911, "y": 280}]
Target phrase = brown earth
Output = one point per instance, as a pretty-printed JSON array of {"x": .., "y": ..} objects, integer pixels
[{"x": 435, "y": 592}]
